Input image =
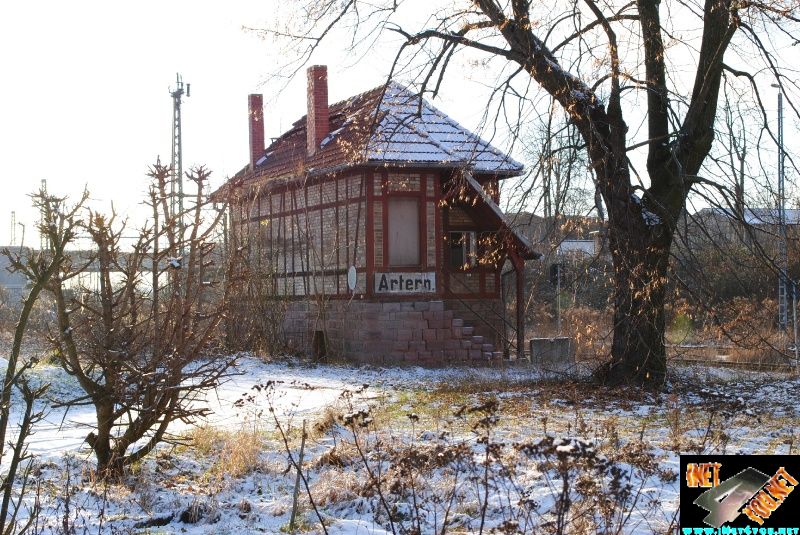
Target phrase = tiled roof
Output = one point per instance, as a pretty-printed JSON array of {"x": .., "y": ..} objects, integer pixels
[{"x": 407, "y": 131}]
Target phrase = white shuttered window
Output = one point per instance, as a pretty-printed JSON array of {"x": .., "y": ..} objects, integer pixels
[{"x": 404, "y": 247}]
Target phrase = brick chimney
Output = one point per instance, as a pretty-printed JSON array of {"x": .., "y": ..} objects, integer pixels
[
  {"x": 256, "y": 119},
  {"x": 317, "y": 119}
]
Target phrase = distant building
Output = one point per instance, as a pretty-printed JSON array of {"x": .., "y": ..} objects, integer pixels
[
  {"x": 569, "y": 236},
  {"x": 377, "y": 217},
  {"x": 718, "y": 226},
  {"x": 14, "y": 283},
  {"x": 579, "y": 248}
]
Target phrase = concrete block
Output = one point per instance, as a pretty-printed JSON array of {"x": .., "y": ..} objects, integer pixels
[
  {"x": 353, "y": 345},
  {"x": 378, "y": 346},
  {"x": 396, "y": 356},
  {"x": 552, "y": 354},
  {"x": 452, "y": 345},
  {"x": 371, "y": 308},
  {"x": 400, "y": 345},
  {"x": 405, "y": 334},
  {"x": 435, "y": 345},
  {"x": 410, "y": 325},
  {"x": 416, "y": 346},
  {"x": 410, "y": 357}
]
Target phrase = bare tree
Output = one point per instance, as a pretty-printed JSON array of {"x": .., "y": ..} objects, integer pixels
[
  {"x": 601, "y": 62},
  {"x": 137, "y": 341},
  {"x": 40, "y": 269}
]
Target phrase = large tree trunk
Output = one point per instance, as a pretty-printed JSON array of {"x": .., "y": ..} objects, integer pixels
[{"x": 638, "y": 354}]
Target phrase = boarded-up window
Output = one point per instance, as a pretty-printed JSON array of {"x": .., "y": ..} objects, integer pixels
[{"x": 404, "y": 249}]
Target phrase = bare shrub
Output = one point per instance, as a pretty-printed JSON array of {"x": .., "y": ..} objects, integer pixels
[
  {"x": 486, "y": 485},
  {"x": 140, "y": 345},
  {"x": 40, "y": 269}
]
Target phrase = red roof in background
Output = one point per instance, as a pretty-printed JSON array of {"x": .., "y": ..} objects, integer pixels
[{"x": 407, "y": 131}]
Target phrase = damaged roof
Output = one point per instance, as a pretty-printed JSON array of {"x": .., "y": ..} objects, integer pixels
[{"x": 386, "y": 126}]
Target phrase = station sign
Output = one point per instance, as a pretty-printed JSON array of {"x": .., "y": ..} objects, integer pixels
[{"x": 405, "y": 283}]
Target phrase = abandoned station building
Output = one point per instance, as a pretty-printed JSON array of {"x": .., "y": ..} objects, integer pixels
[{"x": 375, "y": 222}]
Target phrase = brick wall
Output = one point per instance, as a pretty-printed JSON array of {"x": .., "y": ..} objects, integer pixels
[
  {"x": 311, "y": 235},
  {"x": 485, "y": 316},
  {"x": 389, "y": 332},
  {"x": 317, "y": 119},
  {"x": 458, "y": 218}
]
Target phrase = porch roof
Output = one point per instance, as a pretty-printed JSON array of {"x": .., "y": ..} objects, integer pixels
[{"x": 516, "y": 243}]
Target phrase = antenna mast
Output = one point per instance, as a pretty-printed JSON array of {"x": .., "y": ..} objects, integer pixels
[
  {"x": 13, "y": 227},
  {"x": 44, "y": 241},
  {"x": 176, "y": 188},
  {"x": 783, "y": 282}
]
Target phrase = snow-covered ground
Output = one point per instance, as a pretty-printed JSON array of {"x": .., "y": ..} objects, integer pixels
[{"x": 420, "y": 436}]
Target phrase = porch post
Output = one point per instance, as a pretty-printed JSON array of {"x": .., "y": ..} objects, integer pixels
[{"x": 519, "y": 265}]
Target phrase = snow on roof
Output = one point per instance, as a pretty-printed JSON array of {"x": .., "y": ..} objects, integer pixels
[
  {"x": 411, "y": 130},
  {"x": 770, "y": 216},
  {"x": 758, "y": 216},
  {"x": 388, "y": 125}
]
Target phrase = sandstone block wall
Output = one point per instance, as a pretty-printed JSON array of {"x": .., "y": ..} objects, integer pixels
[{"x": 399, "y": 332}]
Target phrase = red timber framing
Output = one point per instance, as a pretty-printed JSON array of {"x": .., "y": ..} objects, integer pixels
[
  {"x": 392, "y": 198},
  {"x": 309, "y": 233},
  {"x": 389, "y": 185}
]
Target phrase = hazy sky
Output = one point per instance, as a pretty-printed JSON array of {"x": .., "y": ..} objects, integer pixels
[
  {"x": 84, "y": 98},
  {"x": 84, "y": 94}
]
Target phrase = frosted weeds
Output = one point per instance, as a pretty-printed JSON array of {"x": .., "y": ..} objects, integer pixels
[{"x": 169, "y": 482}]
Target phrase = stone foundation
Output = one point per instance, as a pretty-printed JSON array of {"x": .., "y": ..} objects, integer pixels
[
  {"x": 486, "y": 318},
  {"x": 400, "y": 332}
]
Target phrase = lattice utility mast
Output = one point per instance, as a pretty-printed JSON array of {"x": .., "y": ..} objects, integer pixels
[
  {"x": 13, "y": 228},
  {"x": 44, "y": 241},
  {"x": 783, "y": 276},
  {"x": 176, "y": 188}
]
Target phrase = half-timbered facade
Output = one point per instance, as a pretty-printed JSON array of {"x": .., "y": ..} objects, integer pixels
[{"x": 376, "y": 221}]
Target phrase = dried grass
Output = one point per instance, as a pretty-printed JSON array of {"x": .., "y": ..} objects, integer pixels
[
  {"x": 234, "y": 453},
  {"x": 335, "y": 486}
]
